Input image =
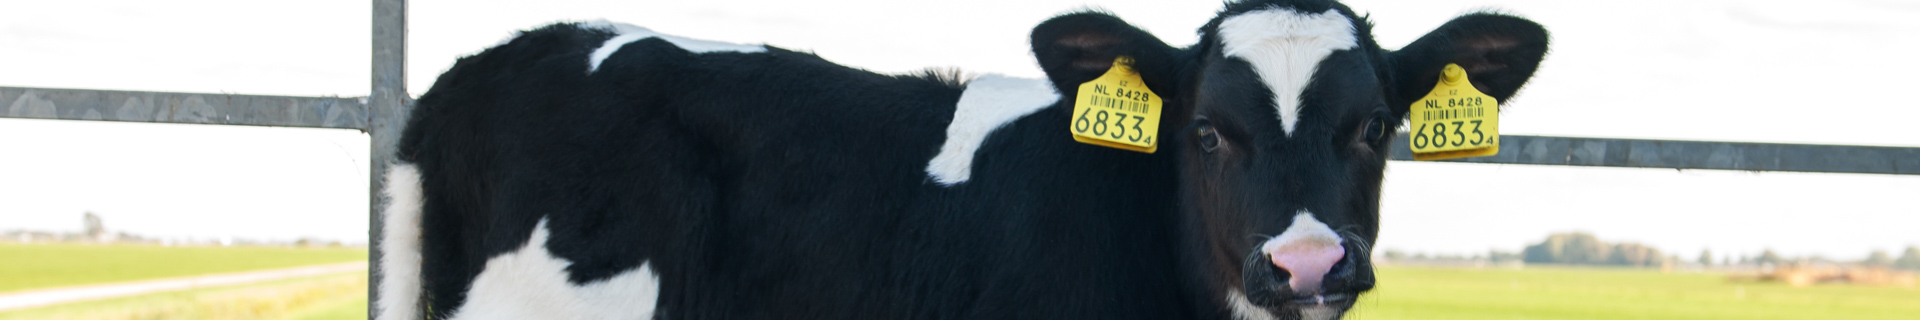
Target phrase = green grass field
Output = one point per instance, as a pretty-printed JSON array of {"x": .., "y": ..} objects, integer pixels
[
  {"x": 337, "y": 296},
  {"x": 1404, "y": 292},
  {"x": 35, "y": 266},
  {"x": 1583, "y": 293}
]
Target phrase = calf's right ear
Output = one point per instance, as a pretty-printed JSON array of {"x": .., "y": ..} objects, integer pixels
[
  {"x": 1499, "y": 53},
  {"x": 1078, "y": 47}
]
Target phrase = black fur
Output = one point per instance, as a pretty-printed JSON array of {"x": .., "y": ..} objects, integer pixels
[{"x": 779, "y": 185}]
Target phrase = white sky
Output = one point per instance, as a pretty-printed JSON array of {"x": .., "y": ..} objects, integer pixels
[{"x": 1831, "y": 72}]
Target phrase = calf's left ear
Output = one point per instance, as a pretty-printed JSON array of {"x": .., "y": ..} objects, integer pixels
[
  {"x": 1499, "y": 52},
  {"x": 1078, "y": 47}
]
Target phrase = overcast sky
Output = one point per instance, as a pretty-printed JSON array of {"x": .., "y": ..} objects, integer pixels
[{"x": 1829, "y": 72}]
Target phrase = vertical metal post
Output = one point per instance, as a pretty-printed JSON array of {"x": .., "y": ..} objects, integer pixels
[{"x": 387, "y": 108}]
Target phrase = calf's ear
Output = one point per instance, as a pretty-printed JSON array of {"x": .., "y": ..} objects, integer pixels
[
  {"x": 1499, "y": 53},
  {"x": 1078, "y": 47}
]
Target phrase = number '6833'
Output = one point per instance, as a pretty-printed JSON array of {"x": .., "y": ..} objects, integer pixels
[
  {"x": 1095, "y": 122},
  {"x": 1438, "y": 135}
]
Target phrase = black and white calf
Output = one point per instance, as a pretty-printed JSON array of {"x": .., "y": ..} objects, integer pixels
[{"x": 603, "y": 171}]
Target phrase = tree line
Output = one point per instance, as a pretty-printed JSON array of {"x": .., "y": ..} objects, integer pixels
[{"x": 1583, "y": 248}]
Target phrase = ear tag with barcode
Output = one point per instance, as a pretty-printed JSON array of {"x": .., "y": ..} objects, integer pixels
[
  {"x": 1117, "y": 110},
  {"x": 1455, "y": 120}
]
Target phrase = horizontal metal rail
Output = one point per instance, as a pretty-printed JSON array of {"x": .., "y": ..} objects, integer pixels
[
  {"x": 196, "y": 108},
  {"x": 1673, "y": 154},
  {"x": 353, "y": 113}
]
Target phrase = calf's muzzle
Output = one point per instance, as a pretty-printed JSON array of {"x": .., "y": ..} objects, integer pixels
[{"x": 1307, "y": 251}]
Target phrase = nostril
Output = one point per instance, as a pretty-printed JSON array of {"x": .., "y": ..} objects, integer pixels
[
  {"x": 1339, "y": 269},
  {"x": 1345, "y": 275},
  {"x": 1342, "y": 268}
]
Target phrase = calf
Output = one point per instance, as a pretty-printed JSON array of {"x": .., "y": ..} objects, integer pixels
[{"x": 604, "y": 171}]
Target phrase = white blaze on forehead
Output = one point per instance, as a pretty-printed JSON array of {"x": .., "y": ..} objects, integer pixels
[
  {"x": 989, "y": 103},
  {"x": 630, "y": 33},
  {"x": 1284, "y": 47},
  {"x": 530, "y": 283}
]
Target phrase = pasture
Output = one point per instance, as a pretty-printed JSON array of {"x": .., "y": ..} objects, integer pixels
[
  {"x": 1405, "y": 292},
  {"x": 336, "y": 296},
  {"x": 35, "y": 266},
  {"x": 40, "y": 266},
  {"x": 1594, "y": 293}
]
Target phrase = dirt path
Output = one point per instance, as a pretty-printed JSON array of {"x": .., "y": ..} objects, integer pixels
[{"x": 42, "y": 297}]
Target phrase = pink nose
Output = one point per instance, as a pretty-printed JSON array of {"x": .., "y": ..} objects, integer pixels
[{"x": 1306, "y": 261}]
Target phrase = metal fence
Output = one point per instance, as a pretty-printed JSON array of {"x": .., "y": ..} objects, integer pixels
[
  {"x": 1673, "y": 154},
  {"x": 382, "y": 114}
]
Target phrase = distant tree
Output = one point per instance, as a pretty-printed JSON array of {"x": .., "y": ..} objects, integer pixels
[
  {"x": 1878, "y": 258},
  {"x": 1396, "y": 255},
  {"x": 95, "y": 228},
  {"x": 1706, "y": 257},
  {"x": 1909, "y": 260},
  {"x": 1568, "y": 248},
  {"x": 1503, "y": 256},
  {"x": 1767, "y": 256},
  {"x": 1634, "y": 254}
]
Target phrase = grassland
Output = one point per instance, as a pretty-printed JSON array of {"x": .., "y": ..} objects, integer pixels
[
  {"x": 36, "y": 266},
  {"x": 337, "y": 296},
  {"x": 1403, "y": 293},
  {"x": 1582, "y": 293}
]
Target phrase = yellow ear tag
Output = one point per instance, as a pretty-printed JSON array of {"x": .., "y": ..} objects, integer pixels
[
  {"x": 1455, "y": 120},
  {"x": 1117, "y": 111}
]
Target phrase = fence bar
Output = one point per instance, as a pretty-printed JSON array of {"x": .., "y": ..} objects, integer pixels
[
  {"x": 389, "y": 105},
  {"x": 1671, "y": 154},
  {"x": 196, "y": 108}
]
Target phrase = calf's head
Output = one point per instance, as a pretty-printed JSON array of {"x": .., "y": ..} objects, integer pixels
[{"x": 1280, "y": 120}]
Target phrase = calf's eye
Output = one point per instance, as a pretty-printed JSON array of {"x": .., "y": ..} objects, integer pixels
[
  {"x": 1209, "y": 140},
  {"x": 1376, "y": 129}
]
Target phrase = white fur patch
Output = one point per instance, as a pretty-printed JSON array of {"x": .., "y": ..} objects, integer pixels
[
  {"x": 1246, "y": 310},
  {"x": 630, "y": 33},
  {"x": 530, "y": 283},
  {"x": 1321, "y": 312},
  {"x": 400, "y": 244},
  {"x": 1285, "y": 47},
  {"x": 990, "y": 102},
  {"x": 1305, "y": 229}
]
